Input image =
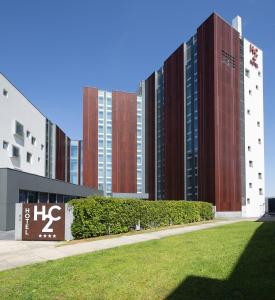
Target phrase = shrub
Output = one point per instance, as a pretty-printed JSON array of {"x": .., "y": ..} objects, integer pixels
[{"x": 98, "y": 216}]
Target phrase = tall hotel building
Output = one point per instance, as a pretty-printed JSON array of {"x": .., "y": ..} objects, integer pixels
[
  {"x": 112, "y": 142},
  {"x": 193, "y": 131},
  {"x": 203, "y": 112}
]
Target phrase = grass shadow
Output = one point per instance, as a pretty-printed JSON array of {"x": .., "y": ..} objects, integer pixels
[{"x": 252, "y": 278}]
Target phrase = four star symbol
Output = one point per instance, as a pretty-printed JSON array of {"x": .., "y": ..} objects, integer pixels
[{"x": 45, "y": 235}]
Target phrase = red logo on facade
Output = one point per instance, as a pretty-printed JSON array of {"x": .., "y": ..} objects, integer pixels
[{"x": 253, "y": 60}]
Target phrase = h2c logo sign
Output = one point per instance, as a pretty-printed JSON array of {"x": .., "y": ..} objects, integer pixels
[
  {"x": 43, "y": 222},
  {"x": 46, "y": 216}
]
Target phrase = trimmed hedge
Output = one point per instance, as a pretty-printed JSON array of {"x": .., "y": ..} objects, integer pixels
[{"x": 102, "y": 216}]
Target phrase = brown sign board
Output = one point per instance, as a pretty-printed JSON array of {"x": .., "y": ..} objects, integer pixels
[{"x": 43, "y": 222}]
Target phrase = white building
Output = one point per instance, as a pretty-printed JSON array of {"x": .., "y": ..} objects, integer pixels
[
  {"x": 22, "y": 132},
  {"x": 254, "y": 130}
]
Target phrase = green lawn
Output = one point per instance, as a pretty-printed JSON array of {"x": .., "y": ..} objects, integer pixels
[{"x": 228, "y": 262}]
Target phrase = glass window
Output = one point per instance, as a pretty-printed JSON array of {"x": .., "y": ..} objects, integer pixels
[
  {"x": 19, "y": 129},
  {"x": 100, "y": 115},
  {"x": 100, "y": 143},
  {"x": 59, "y": 198},
  {"x": 109, "y": 173},
  {"x": 139, "y": 174},
  {"x": 139, "y": 146},
  {"x": 5, "y": 93},
  {"x": 109, "y": 158},
  {"x": 189, "y": 146},
  {"x": 15, "y": 151},
  {"x": 109, "y": 101},
  {"x": 100, "y": 173},
  {"x": 188, "y": 53},
  {"x": 66, "y": 198},
  {"x": 33, "y": 140},
  {"x": 195, "y": 66},
  {"x": 52, "y": 198},
  {"x": 5, "y": 145},
  {"x": 139, "y": 160},
  {"x": 195, "y": 85},
  {"x": 195, "y": 125},
  {"x": 43, "y": 197},
  {"x": 28, "y": 134},
  {"x": 74, "y": 178},
  {"x": 139, "y": 119},
  {"x": 188, "y": 72},
  {"x": 139, "y": 132},
  {"x": 100, "y": 186},
  {"x": 29, "y": 157},
  {"x": 109, "y": 115},
  {"x": 109, "y": 187},
  {"x": 101, "y": 100},
  {"x": 189, "y": 109},
  {"x": 74, "y": 151},
  {"x": 23, "y": 196},
  {"x": 100, "y": 129},
  {"x": 196, "y": 106},
  {"x": 109, "y": 144},
  {"x": 139, "y": 105},
  {"x": 109, "y": 130},
  {"x": 32, "y": 197},
  {"x": 74, "y": 166},
  {"x": 188, "y": 91},
  {"x": 247, "y": 73},
  {"x": 100, "y": 158}
]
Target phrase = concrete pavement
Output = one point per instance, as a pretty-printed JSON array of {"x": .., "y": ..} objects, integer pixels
[{"x": 20, "y": 253}]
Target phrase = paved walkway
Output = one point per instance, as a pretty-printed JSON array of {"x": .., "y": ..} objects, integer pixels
[{"x": 20, "y": 253}]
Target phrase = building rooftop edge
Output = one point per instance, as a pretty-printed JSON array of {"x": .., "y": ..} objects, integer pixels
[
  {"x": 15, "y": 170},
  {"x": 32, "y": 104}
]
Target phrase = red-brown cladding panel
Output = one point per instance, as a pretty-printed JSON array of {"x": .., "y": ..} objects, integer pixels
[
  {"x": 79, "y": 162},
  {"x": 68, "y": 159},
  {"x": 174, "y": 126},
  {"x": 60, "y": 151},
  {"x": 124, "y": 142},
  {"x": 90, "y": 137},
  {"x": 219, "y": 115},
  {"x": 150, "y": 136}
]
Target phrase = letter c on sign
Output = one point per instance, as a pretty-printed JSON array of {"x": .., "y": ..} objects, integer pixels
[{"x": 50, "y": 213}]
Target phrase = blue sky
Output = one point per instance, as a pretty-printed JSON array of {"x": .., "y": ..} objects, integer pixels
[{"x": 51, "y": 49}]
